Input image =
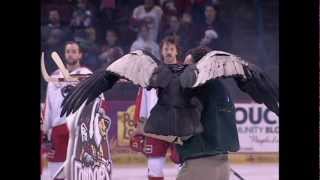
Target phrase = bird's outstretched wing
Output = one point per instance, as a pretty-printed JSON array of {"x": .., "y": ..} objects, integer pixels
[
  {"x": 260, "y": 87},
  {"x": 249, "y": 78},
  {"x": 214, "y": 65},
  {"x": 137, "y": 67}
]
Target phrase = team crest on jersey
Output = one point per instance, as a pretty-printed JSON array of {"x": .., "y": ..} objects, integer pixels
[{"x": 91, "y": 159}]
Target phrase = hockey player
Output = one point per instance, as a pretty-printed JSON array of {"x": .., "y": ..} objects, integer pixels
[
  {"x": 154, "y": 147},
  {"x": 54, "y": 126}
]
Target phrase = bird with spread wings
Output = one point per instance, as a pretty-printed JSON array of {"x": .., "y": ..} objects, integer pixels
[{"x": 176, "y": 112}]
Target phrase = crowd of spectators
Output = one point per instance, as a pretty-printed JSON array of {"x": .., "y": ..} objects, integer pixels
[{"x": 108, "y": 29}]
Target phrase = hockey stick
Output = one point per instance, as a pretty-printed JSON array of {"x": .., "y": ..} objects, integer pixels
[
  {"x": 69, "y": 77},
  {"x": 44, "y": 72},
  {"x": 56, "y": 58},
  {"x": 48, "y": 78},
  {"x": 236, "y": 174}
]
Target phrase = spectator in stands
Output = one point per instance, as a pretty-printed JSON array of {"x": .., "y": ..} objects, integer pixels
[
  {"x": 55, "y": 39},
  {"x": 153, "y": 12},
  {"x": 145, "y": 42},
  {"x": 54, "y": 23},
  {"x": 111, "y": 39},
  {"x": 173, "y": 25},
  {"x": 208, "y": 39},
  {"x": 80, "y": 19},
  {"x": 183, "y": 29},
  {"x": 82, "y": 25},
  {"x": 111, "y": 48},
  {"x": 185, "y": 5},
  {"x": 169, "y": 9},
  {"x": 54, "y": 42},
  {"x": 86, "y": 40},
  {"x": 215, "y": 2},
  {"x": 54, "y": 19},
  {"x": 186, "y": 18},
  {"x": 110, "y": 55},
  {"x": 90, "y": 38},
  {"x": 170, "y": 27},
  {"x": 210, "y": 16},
  {"x": 108, "y": 11},
  {"x": 82, "y": 16},
  {"x": 107, "y": 4},
  {"x": 189, "y": 29},
  {"x": 212, "y": 22},
  {"x": 91, "y": 34},
  {"x": 194, "y": 7}
]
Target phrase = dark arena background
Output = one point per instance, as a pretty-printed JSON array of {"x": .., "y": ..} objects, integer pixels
[{"x": 108, "y": 29}]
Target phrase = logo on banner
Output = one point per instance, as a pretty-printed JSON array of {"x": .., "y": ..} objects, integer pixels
[
  {"x": 92, "y": 159},
  {"x": 258, "y": 128},
  {"x": 126, "y": 125}
]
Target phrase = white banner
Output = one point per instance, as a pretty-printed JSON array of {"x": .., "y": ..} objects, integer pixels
[{"x": 258, "y": 128}]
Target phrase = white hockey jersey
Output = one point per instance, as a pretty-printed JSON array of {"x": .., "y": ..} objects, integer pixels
[
  {"x": 148, "y": 100},
  {"x": 155, "y": 14},
  {"x": 54, "y": 99}
]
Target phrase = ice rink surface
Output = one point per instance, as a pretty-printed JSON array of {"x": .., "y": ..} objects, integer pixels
[{"x": 249, "y": 171}]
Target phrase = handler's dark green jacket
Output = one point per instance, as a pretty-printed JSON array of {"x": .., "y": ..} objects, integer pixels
[{"x": 218, "y": 119}]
